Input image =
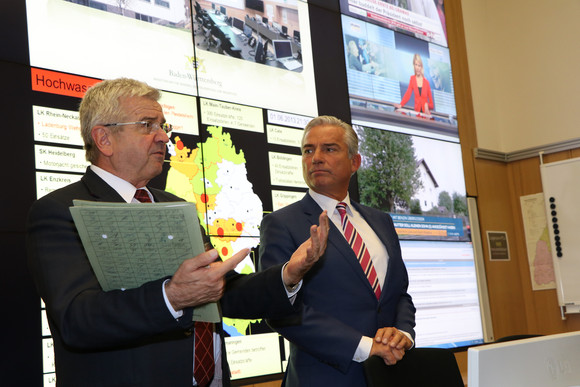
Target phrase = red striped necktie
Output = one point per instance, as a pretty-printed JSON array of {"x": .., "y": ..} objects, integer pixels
[{"x": 360, "y": 249}]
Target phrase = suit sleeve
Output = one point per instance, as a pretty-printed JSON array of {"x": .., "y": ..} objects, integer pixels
[
  {"x": 321, "y": 335},
  {"x": 84, "y": 314},
  {"x": 256, "y": 295}
]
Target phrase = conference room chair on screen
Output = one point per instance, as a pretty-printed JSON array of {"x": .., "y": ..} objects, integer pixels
[
  {"x": 207, "y": 35},
  {"x": 226, "y": 46},
  {"x": 261, "y": 52},
  {"x": 420, "y": 367},
  {"x": 198, "y": 18}
]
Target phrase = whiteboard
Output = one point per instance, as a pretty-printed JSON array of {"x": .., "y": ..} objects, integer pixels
[
  {"x": 552, "y": 360},
  {"x": 561, "y": 185}
]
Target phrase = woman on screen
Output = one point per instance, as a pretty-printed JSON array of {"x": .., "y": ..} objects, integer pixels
[{"x": 420, "y": 88}]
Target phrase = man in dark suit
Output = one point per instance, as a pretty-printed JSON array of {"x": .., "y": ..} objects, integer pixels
[
  {"x": 142, "y": 336},
  {"x": 348, "y": 314}
]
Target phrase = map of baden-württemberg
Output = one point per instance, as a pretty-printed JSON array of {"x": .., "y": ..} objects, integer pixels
[{"x": 226, "y": 204}]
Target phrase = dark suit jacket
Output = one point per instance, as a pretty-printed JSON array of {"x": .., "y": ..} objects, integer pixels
[
  {"x": 122, "y": 338},
  {"x": 339, "y": 304}
]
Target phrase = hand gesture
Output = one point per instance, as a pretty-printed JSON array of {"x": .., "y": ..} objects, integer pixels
[
  {"x": 200, "y": 279},
  {"x": 308, "y": 252}
]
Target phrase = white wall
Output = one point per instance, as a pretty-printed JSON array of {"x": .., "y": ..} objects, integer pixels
[{"x": 524, "y": 59}]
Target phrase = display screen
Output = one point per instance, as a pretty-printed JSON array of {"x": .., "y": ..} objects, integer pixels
[
  {"x": 443, "y": 284},
  {"x": 422, "y": 19},
  {"x": 180, "y": 47},
  {"x": 418, "y": 180},
  {"x": 385, "y": 89}
]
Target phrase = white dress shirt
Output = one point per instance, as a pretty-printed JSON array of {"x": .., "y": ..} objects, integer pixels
[
  {"x": 127, "y": 192},
  {"x": 378, "y": 252}
]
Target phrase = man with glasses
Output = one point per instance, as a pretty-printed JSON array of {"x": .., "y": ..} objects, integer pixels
[{"x": 143, "y": 336}]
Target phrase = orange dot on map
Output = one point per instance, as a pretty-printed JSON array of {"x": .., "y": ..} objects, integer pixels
[
  {"x": 220, "y": 232},
  {"x": 239, "y": 226},
  {"x": 203, "y": 198},
  {"x": 224, "y": 251},
  {"x": 179, "y": 145}
]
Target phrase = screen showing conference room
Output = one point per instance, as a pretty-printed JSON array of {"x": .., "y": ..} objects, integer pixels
[
  {"x": 384, "y": 87},
  {"x": 242, "y": 42},
  {"x": 154, "y": 42}
]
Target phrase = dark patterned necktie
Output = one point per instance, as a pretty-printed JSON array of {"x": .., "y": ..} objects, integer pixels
[
  {"x": 360, "y": 249},
  {"x": 204, "y": 363},
  {"x": 142, "y": 195}
]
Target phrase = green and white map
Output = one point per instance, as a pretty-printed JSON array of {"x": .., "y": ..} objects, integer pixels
[{"x": 226, "y": 205}]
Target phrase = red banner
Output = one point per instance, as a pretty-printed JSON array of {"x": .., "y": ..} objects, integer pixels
[{"x": 60, "y": 83}]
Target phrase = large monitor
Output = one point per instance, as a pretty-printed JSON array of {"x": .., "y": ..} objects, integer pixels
[
  {"x": 423, "y": 20},
  {"x": 418, "y": 180},
  {"x": 398, "y": 82},
  {"x": 282, "y": 49},
  {"x": 223, "y": 10},
  {"x": 297, "y": 35},
  {"x": 443, "y": 284},
  {"x": 257, "y": 5},
  {"x": 187, "y": 63},
  {"x": 552, "y": 360},
  {"x": 238, "y": 23}
]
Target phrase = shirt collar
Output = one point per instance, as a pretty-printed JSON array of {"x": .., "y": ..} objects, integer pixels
[
  {"x": 123, "y": 187},
  {"x": 328, "y": 203}
]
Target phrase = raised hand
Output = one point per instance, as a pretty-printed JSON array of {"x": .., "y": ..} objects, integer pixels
[{"x": 308, "y": 252}]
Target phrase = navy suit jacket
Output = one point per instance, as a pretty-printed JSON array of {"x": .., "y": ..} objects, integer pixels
[
  {"x": 339, "y": 306},
  {"x": 122, "y": 338}
]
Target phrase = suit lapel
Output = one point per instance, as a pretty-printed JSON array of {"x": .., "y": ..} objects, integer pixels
[
  {"x": 336, "y": 239},
  {"x": 99, "y": 189}
]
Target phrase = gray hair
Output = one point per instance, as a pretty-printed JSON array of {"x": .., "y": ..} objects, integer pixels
[
  {"x": 350, "y": 136},
  {"x": 100, "y": 106}
]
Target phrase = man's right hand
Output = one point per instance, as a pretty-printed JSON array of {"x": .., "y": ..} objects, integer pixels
[
  {"x": 200, "y": 279},
  {"x": 390, "y": 344}
]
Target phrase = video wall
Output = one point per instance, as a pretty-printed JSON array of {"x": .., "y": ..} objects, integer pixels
[
  {"x": 237, "y": 118},
  {"x": 400, "y": 88},
  {"x": 239, "y": 85}
]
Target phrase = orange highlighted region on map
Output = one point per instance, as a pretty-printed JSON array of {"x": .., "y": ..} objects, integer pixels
[{"x": 420, "y": 231}]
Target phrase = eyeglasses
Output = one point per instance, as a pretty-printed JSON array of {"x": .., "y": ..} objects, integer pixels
[{"x": 150, "y": 126}]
